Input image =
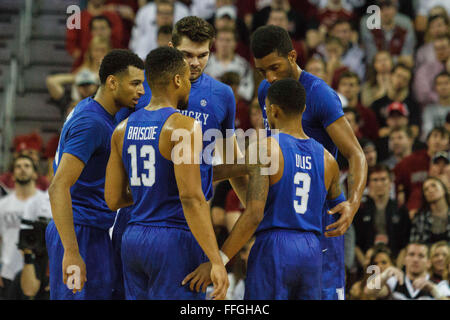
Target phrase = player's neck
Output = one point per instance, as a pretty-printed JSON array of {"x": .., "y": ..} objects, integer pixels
[
  {"x": 163, "y": 100},
  {"x": 107, "y": 102},
  {"x": 297, "y": 72},
  {"x": 293, "y": 128}
]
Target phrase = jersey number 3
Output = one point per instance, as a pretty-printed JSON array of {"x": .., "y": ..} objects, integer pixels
[
  {"x": 148, "y": 153},
  {"x": 302, "y": 192}
]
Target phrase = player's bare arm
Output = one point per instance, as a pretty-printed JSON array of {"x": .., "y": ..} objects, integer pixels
[
  {"x": 332, "y": 184},
  {"x": 117, "y": 191},
  {"x": 248, "y": 222},
  {"x": 195, "y": 207},
  {"x": 68, "y": 172},
  {"x": 344, "y": 138}
]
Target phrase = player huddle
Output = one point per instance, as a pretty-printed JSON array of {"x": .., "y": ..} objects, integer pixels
[{"x": 116, "y": 152}]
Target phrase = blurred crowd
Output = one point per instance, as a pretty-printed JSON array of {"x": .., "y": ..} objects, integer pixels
[{"x": 394, "y": 84}]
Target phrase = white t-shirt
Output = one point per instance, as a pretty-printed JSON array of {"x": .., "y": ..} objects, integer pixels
[
  {"x": 426, "y": 5},
  {"x": 12, "y": 210}
]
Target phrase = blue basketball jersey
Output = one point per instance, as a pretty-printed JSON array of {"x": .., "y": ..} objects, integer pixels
[
  {"x": 86, "y": 134},
  {"x": 213, "y": 105},
  {"x": 150, "y": 175},
  {"x": 323, "y": 107},
  {"x": 296, "y": 201}
]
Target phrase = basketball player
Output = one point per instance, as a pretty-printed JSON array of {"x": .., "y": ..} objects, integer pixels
[
  {"x": 169, "y": 222},
  {"x": 324, "y": 121},
  {"x": 78, "y": 243},
  {"x": 211, "y": 102},
  {"x": 285, "y": 208}
]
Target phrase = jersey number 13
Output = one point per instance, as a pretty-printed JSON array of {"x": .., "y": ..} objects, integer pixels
[{"x": 148, "y": 154}]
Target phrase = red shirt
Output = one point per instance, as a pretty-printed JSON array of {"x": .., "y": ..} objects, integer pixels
[
  {"x": 410, "y": 173},
  {"x": 242, "y": 119},
  {"x": 369, "y": 124},
  {"x": 80, "y": 38},
  {"x": 328, "y": 17},
  {"x": 233, "y": 203}
]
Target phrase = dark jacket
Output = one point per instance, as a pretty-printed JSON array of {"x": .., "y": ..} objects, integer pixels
[{"x": 398, "y": 225}]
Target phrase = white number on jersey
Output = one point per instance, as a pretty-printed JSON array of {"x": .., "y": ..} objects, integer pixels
[
  {"x": 302, "y": 192},
  {"x": 148, "y": 153}
]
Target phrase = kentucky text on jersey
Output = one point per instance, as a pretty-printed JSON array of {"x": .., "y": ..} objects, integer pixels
[
  {"x": 199, "y": 116},
  {"x": 141, "y": 133}
]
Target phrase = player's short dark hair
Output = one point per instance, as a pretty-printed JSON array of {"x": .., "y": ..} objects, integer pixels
[
  {"x": 289, "y": 95},
  {"x": 117, "y": 61},
  {"x": 24, "y": 156},
  {"x": 162, "y": 64},
  {"x": 167, "y": 29},
  {"x": 194, "y": 28},
  {"x": 99, "y": 18},
  {"x": 268, "y": 39}
]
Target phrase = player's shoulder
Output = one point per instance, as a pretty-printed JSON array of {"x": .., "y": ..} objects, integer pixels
[
  {"x": 313, "y": 84},
  {"x": 178, "y": 120},
  {"x": 263, "y": 87},
  {"x": 217, "y": 87}
]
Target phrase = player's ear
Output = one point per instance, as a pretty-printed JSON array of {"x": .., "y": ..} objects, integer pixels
[
  {"x": 177, "y": 80},
  {"x": 111, "y": 82},
  {"x": 292, "y": 56},
  {"x": 170, "y": 44}
]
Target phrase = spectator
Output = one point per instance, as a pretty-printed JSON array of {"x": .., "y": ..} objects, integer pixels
[
  {"x": 127, "y": 10},
  {"x": 297, "y": 25},
  {"x": 317, "y": 67},
  {"x": 352, "y": 116},
  {"x": 414, "y": 284},
  {"x": 378, "y": 78},
  {"x": 426, "y": 73},
  {"x": 434, "y": 115},
  {"x": 242, "y": 120},
  {"x": 28, "y": 145},
  {"x": 149, "y": 19},
  {"x": 396, "y": 34},
  {"x": 26, "y": 202},
  {"x": 86, "y": 84},
  {"x": 203, "y": 8},
  {"x": 98, "y": 48},
  {"x": 411, "y": 172},
  {"x": 78, "y": 40},
  {"x": 398, "y": 91},
  {"x": 349, "y": 87},
  {"x": 224, "y": 59},
  {"x": 438, "y": 25},
  {"x": 400, "y": 144},
  {"x": 379, "y": 218},
  {"x": 353, "y": 56},
  {"x": 431, "y": 223},
  {"x": 425, "y": 8},
  {"x": 370, "y": 152},
  {"x": 332, "y": 12},
  {"x": 381, "y": 258},
  {"x": 440, "y": 167},
  {"x": 226, "y": 18},
  {"x": 439, "y": 253},
  {"x": 164, "y": 36},
  {"x": 334, "y": 49}
]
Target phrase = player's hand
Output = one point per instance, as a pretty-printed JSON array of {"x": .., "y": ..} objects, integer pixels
[
  {"x": 219, "y": 278},
  {"x": 74, "y": 271},
  {"x": 199, "y": 278},
  {"x": 340, "y": 227}
]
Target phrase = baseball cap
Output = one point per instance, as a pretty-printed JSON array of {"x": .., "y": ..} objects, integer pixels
[
  {"x": 397, "y": 107},
  {"x": 441, "y": 155},
  {"x": 229, "y": 11},
  {"x": 85, "y": 77}
]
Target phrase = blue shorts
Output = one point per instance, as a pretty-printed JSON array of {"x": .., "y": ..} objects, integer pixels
[
  {"x": 284, "y": 265},
  {"x": 96, "y": 250},
  {"x": 156, "y": 260},
  {"x": 122, "y": 218},
  {"x": 333, "y": 270}
]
